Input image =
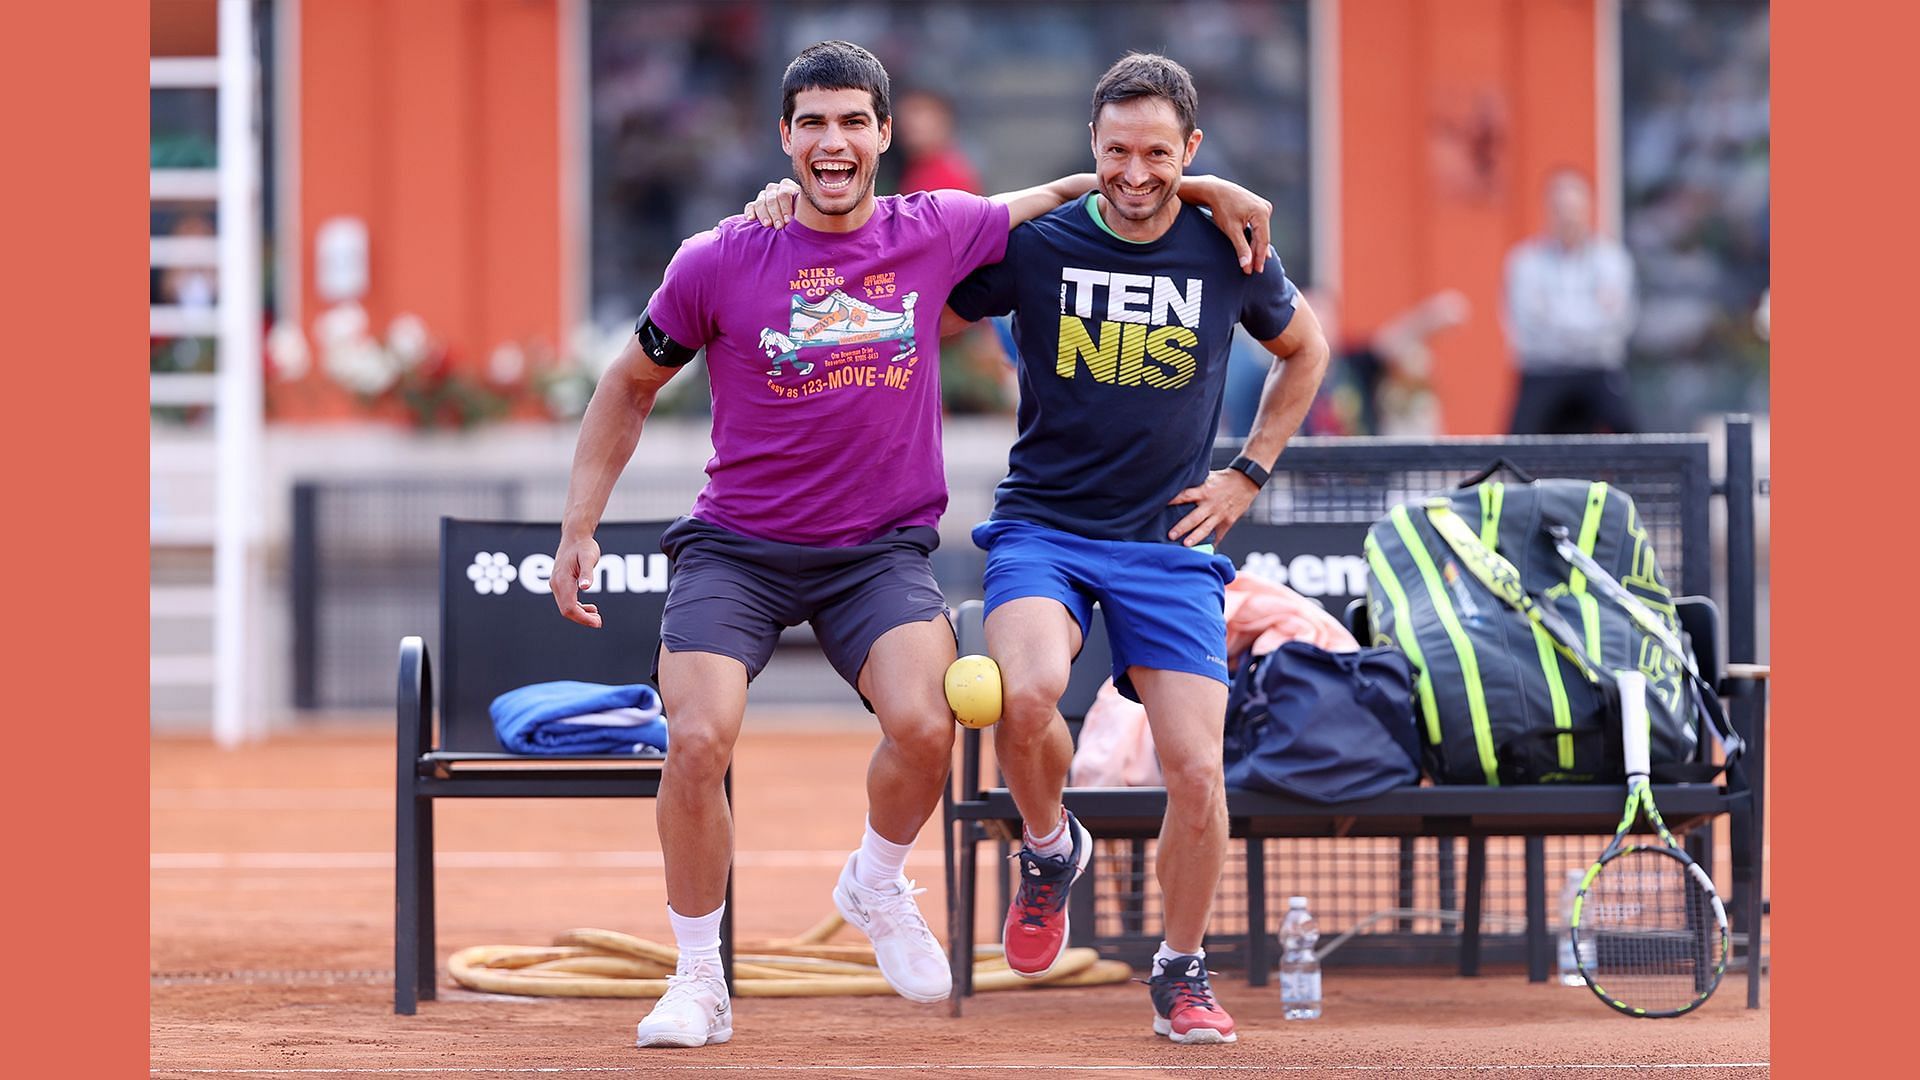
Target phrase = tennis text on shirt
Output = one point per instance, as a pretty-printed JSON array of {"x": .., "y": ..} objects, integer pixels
[{"x": 1122, "y": 361}]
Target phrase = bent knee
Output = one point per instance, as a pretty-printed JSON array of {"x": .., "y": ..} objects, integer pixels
[
  {"x": 1030, "y": 703},
  {"x": 924, "y": 732},
  {"x": 1196, "y": 784},
  {"x": 694, "y": 748}
]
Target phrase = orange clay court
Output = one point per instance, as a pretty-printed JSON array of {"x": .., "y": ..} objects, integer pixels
[{"x": 272, "y": 923}]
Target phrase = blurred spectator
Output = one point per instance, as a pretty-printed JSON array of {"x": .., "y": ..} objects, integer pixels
[
  {"x": 923, "y": 124},
  {"x": 1378, "y": 385},
  {"x": 976, "y": 375},
  {"x": 188, "y": 286},
  {"x": 1569, "y": 311}
]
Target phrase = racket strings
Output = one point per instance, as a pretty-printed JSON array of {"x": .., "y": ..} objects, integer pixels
[{"x": 1650, "y": 937}]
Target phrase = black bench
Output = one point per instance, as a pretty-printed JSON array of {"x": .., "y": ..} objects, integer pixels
[
  {"x": 499, "y": 629},
  {"x": 1325, "y": 492}
]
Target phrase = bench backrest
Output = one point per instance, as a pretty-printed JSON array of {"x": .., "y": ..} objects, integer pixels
[
  {"x": 1320, "y": 481},
  {"x": 499, "y": 628}
]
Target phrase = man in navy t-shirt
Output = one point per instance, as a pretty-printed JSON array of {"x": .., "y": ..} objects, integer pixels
[{"x": 1124, "y": 309}]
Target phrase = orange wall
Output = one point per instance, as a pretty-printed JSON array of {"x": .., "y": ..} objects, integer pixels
[
  {"x": 437, "y": 123},
  {"x": 1452, "y": 115}
]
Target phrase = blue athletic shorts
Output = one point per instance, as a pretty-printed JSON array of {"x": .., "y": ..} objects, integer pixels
[{"x": 1164, "y": 604}]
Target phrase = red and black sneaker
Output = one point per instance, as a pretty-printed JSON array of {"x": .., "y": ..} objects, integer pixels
[
  {"x": 1037, "y": 918},
  {"x": 1183, "y": 1006}
]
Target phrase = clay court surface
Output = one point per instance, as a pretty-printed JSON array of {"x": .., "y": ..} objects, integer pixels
[{"x": 272, "y": 915}]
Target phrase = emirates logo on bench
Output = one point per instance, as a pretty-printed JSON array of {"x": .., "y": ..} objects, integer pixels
[
  {"x": 1310, "y": 575},
  {"x": 493, "y": 571}
]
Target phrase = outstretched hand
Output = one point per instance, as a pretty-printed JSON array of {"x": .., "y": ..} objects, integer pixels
[
  {"x": 1218, "y": 501},
  {"x": 774, "y": 206}
]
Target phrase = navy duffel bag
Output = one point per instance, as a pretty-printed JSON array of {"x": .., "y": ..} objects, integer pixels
[{"x": 1324, "y": 726}]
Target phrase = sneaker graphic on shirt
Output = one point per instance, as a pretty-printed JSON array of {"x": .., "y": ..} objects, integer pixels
[
  {"x": 1037, "y": 923},
  {"x": 1184, "y": 1008},
  {"x": 840, "y": 319}
]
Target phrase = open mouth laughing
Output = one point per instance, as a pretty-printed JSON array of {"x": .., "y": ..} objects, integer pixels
[{"x": 833, "y": 177}]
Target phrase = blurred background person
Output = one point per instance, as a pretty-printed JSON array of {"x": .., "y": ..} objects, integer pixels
[
  {"x": 934, "y": 157},
  {"x": 976, "y": 375},
  {"x": 1569, "y": 312},
  {"x": 1378, "y": 384}
]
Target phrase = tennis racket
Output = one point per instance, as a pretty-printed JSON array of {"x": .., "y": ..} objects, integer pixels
[{"x": 1649, "y": 931}]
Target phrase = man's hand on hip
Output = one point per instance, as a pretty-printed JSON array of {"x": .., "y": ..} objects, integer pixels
[{"x": 1218, "y": 501}]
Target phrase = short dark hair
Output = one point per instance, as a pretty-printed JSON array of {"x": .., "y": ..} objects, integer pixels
[
  {"x": 836, "y": 65},
  {"x": 1138, "y": 75}
]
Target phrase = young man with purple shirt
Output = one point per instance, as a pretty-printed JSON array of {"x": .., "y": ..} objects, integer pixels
[{"x": 823, "y": 494}]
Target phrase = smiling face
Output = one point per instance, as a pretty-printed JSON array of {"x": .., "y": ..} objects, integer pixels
[
  {"x": 835, "y": 142},
  {"x": 1139, "y": 154}
]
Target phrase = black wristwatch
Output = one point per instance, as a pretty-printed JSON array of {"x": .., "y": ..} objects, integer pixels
[{"x": 1250, "y": 469}]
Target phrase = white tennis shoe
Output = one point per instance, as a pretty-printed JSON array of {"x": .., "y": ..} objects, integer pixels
[
  {"x": 693, "y": 1012},
  {"x": 909, "y": 957}
]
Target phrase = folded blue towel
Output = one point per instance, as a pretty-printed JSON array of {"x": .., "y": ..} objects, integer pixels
[{"x": 540, "y": 719}]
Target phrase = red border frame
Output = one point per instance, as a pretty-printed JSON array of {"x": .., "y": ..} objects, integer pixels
[
  {"x": 1843, "y": 393},
  {"x": 76, "y": 426},
  {"x": 1843, "y": 174}
]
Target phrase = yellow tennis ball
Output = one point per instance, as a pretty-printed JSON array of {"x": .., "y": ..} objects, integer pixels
[{"x": 973, "y": 691}]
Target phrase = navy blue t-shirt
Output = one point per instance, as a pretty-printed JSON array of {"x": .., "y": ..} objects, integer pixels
[{"x": 1123, "y": 352}]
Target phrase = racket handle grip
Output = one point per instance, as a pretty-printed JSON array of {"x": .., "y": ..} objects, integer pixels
[{"x": 1634, "y": 734}]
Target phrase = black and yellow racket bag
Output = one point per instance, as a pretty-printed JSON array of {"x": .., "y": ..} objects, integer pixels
[{"x": 1514, "y": 646}]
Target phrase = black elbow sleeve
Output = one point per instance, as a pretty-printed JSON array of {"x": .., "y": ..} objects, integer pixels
[{"x": 660, "y": 348}]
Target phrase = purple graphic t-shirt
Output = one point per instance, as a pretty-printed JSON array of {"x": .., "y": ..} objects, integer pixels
[{"x": 824, "y": 354}]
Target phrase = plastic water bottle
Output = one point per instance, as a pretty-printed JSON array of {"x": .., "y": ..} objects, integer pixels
[
  {"x": 1299, "y": 968},
  {"x": 1569, "y": 968}
]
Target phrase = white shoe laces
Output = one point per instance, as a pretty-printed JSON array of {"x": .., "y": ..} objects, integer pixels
[
  {"x": 683, "y": 985},
  {"x": 899, "y": 912}
]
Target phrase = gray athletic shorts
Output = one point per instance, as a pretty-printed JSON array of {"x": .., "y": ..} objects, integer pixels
[{"x": 732, "y": 594}]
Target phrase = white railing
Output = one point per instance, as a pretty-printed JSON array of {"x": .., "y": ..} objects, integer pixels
[{"x": 231, "y": 467}]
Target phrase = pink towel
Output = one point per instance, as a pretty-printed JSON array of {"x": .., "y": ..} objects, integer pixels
[
  {"x": 1116, "y": 745},
  {"x": 1262, "y": 614}
]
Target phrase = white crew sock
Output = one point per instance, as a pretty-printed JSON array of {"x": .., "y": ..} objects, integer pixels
[
  {"x": 1057, "y": 844},
  {"x": 698, "y": 937},
  {"x": 881, "y": 861},
  {"x": 1167, "y": 952}
]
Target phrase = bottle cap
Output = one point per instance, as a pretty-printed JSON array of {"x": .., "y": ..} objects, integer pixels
[{"x": 1297, "y": 902}]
